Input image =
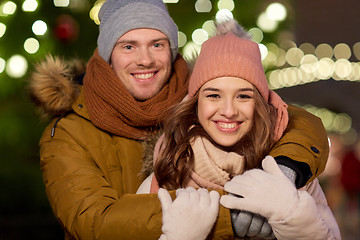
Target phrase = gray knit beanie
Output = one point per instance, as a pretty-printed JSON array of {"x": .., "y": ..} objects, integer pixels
[{"x": 117, "y": 17}]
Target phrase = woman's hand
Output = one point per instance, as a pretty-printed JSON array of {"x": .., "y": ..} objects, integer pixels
[
  {"x": 267, "y": 192},
  {"x": 190, "y": 216}
]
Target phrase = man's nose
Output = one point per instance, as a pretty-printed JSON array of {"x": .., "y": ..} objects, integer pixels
[{"x": 145, "y": 57}]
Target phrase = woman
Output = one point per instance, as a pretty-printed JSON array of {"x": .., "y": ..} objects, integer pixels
[{"x": 226, "y": 126}]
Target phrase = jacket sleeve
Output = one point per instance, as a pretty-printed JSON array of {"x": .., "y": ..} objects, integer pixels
[
  {"x": 304, "y": 146},
  {"x": 311, "y": 217},
  {"x": 86, "y": 203}
]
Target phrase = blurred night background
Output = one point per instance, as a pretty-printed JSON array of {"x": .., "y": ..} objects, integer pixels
[{"x": 311, "y": 55}]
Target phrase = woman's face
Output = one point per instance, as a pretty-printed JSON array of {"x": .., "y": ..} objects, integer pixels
[{"x": 226, "y": 108}]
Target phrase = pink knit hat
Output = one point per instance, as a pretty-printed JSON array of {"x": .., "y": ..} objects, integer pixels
[{"x": 231, "y": 56}]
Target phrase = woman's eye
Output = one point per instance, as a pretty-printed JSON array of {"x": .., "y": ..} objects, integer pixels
[
  {"x": 244, "y": 96},
  {"x": 213, "y": 96}
]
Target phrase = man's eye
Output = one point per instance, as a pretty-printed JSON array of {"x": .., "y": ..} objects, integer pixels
[
  {"x": 157, "y": 45},
  {"x": 128, "y": 47}
]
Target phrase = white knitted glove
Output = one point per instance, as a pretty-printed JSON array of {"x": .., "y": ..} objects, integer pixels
[
  {"x": 190, "y": 216},
  {"x": 268, "y": 193},
  {"x": 249, "y": 224}
]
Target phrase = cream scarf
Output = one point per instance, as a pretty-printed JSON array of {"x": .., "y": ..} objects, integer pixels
[{"x": 213, "y": 167}]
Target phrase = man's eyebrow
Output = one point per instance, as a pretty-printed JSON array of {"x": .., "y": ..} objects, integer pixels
[
  {"x": 126, "y": 41},
  {"x": 160, "y": 39},
  {"x": 134, "y": 41}
]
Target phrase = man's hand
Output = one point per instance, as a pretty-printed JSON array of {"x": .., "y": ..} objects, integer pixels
[{"x": 249, "y": 224}]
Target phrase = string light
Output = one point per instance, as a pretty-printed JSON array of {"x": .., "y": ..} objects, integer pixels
[{"x": 340, "y": 123}]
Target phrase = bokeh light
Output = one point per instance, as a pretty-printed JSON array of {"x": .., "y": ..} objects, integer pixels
[
  {"x": 199, "y": 36},
  {"x": 342, "y": 68},
  {"x": 294, "y": 56},
  {"x": 8, "y": 8},
  {"x": 325, "y": 68},
  {"x": 203, "y": 6},
  {"x": 276, "y": 11},
  {"x": 307, "y": 48},
  {"x": 324, "y": 50},
  {"x": 182, "y": 39},
  {"x": 223, "y": 15},
  {"x": 29, "y": 5},
  {"x": 2, "y": 29},
  {"x": 94, "y": 11},
  {"x": 39, "y": 27},
  {"x": 256, "y": 34},
  {"x": 226, "y": 4},
  {"x": 31, "y": 45},
  {"x": 16, "y": 66},
  {"x": 263, "y": 50},
  {"x": 356, "y": 50},
  {"x": 191, "y": 51},
  {"x": 61, "y": 3},
  {"x": 2, "y": 65},
  {"x": 266, "y": 24},
  {"x": 342, "y": 50},
  {"x": 209, "y": 27}
]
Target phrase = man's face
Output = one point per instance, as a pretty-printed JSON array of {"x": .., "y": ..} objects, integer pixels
[{"x": 142, "y": 60}]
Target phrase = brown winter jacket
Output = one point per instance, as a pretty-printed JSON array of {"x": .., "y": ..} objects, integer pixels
[{"x": 91, "y": 176}]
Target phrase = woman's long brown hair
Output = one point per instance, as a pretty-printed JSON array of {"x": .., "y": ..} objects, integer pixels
[{"x": 181, "y": 126}]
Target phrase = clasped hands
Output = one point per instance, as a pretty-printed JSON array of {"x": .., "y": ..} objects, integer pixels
[{"x": 265, "y": 195}]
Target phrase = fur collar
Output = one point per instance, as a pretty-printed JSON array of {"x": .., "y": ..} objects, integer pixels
[
  {"x": 148, "y": 157},
  {"x": 53, "y": 87}
]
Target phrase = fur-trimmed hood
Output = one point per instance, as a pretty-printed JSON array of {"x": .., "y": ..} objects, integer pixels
[{"x": 55, "y": 84}]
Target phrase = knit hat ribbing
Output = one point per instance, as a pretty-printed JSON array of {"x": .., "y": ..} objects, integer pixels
[
  {"x": 228, "y": 55},
  {"x": 117, "y": 17}
]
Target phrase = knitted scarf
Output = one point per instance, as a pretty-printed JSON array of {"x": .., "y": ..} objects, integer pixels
[
  {"x": 213, "y": 167},
  {"x": 113, "y": 109}
]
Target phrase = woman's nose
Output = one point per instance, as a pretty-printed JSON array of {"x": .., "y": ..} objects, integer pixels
[{"x": 228, "y": 109}]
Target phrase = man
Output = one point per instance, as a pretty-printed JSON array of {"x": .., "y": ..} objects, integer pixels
[{"x": 91, "y": 153}]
